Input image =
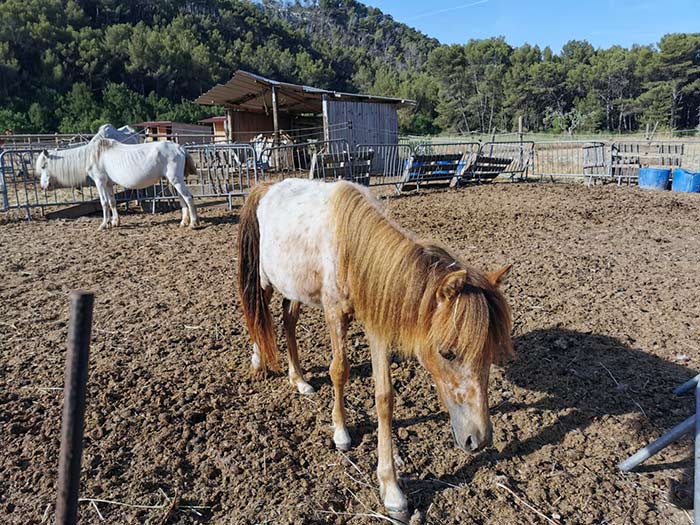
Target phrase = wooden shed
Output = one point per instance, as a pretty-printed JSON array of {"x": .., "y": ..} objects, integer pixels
[
  {"x": 219, "y": 127},
  {"x": 258, "y": 105}
]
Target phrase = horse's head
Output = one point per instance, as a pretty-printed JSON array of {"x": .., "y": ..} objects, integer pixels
[
  {"x": 470, "y": 330},
  {"x": 42, "y": 171}
]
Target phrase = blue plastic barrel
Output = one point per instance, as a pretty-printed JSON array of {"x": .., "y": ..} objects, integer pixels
[
  {"x": 654, "y": 178},
  {"x": 685, "y": 181}
]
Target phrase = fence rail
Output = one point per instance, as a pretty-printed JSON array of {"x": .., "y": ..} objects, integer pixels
[{"x": 229, "y": 170}]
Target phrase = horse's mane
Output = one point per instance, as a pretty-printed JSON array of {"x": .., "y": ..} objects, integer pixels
[
  {"x": 394, "y": 281},
  {"x": 69, "y": 167}
]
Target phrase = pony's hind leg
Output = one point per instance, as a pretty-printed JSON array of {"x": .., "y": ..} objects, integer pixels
[
  {"x": 174, "y": 173},
  {"x": 337, "y": 326},
  {"x": 185, "y": 213},
  {"x": 290, "y": 316}
]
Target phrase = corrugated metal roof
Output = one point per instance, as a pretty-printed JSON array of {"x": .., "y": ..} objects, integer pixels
[{"x": 250, "y": 92}]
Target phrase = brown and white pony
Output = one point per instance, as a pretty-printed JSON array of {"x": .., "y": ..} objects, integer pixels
[{"x": 330, "y": 245}]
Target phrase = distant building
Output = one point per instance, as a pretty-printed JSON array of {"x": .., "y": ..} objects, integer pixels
[
  {"x": 181, "y": 132},
  {"x": 256, "y": 105},
  {"x": 219, "y": 127}
]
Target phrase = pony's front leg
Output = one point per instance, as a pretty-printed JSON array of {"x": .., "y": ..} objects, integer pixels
[
  {"x": 290, "y": 316},
  {"x": 102, "y": 192},
  {"x": 340, "y": 371},
  {"x": 394, "y": 500},
  {"x": 112, "y": 205}
]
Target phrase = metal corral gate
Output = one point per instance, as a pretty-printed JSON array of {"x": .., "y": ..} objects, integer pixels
[
  {"x": 382, "y": 164},
  {"x": 222, "y": 171},
  {"x": 323, "y": 159}
]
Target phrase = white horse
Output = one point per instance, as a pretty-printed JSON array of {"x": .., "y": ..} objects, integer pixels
[
  {"x": 108, "y": 162},
  {"x": 125, "y": 134}
]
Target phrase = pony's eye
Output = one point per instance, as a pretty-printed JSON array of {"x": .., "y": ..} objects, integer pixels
[{"x": 448, "y": 354}]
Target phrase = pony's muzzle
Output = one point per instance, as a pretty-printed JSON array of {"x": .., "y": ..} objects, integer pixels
[{"x": 475, "y": 440}]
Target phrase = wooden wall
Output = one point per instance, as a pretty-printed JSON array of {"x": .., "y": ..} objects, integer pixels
[
  {"x": 372, "y": 123},
  {"x": 247, "y": 125}
]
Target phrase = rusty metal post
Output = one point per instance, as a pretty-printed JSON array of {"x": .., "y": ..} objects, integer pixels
[{"x": 74, "y": 407}]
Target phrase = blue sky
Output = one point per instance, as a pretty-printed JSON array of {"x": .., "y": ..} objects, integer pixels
[{"x": 547, "y": 22}]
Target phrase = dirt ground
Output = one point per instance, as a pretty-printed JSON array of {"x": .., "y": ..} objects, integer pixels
[{"x": 604, "y": 293}]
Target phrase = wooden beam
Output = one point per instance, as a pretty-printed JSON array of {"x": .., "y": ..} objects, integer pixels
[{"x": 249, "y": 97}]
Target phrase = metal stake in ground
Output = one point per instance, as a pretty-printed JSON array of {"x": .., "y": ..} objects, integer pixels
[
  {"x": 696, "y": 489},
  {"x": 74, "y": 407}
]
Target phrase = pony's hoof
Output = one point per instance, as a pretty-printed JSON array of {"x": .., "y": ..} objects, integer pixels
[
  {"x": 104, "y": 226},
  {"x": 257, "y": 373},
  {"x": 396, "y": 504},
  {"x": 399, "y": 515},
  {"x": 305, "y": 388},
  {"x": 194, "y": 225},
  {"x": 183, "y": 224},
  {"x": 341, "y": 438}
]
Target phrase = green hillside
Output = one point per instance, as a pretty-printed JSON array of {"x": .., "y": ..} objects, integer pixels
[{"x": 69, "y": 65}]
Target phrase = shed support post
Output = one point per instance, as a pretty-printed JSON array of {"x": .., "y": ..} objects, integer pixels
[
  {"x": 229, "y": 125},
  {"x": 276, "y": 126},
  {"x": 326, "y": 123}
]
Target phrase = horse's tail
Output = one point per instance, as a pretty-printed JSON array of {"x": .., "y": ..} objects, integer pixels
[
  {"x": 254, "y": 300},
  {"x": 190, "y": 166}
]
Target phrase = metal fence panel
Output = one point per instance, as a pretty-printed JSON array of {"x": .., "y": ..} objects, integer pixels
[
  {"x": 223, "y": 170},
  {"x": 20, "y": 186},
  {"x": 383, "y": 164},
  {"x": 439, "y": 161},
  {"x": 325, "y": 160},
  {"x": 495, "y": 158},
  {"x": 628, "y": 156},
  {"x": 572, "y": 158}
]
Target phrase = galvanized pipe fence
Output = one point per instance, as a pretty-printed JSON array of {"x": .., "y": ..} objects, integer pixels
[{"x": 226, "y": 170}]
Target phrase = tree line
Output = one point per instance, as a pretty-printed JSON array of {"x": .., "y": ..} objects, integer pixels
[{"x": 69, "y": 65}]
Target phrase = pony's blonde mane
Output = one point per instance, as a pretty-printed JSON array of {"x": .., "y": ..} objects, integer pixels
[
  {"x": 69, "y": 167},
  {"x": 393, "y": 282}
]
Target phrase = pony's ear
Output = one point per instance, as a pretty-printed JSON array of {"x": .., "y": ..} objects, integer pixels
[
  {"x": 497, "y": 277},
  {"x": 451, "y": 285}
]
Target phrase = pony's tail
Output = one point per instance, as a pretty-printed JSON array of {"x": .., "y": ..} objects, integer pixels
[
  {"x": 254, "y": 300},
  {"x": 190, "y": 166}
]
